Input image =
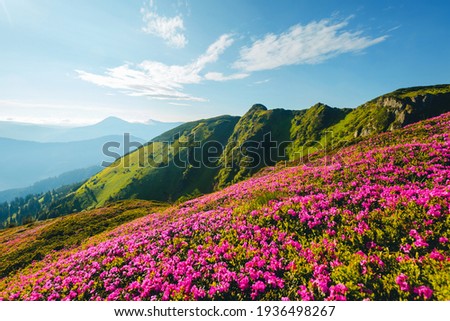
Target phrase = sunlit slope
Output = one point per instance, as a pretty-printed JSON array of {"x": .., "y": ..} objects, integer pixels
[
  {"x": 159, "y": 170},
  {"x": 21, "y": 245},
  {"x": 280, "y": 134},
  {"x": 260, "y": 138},
  {"x": 392, "y": 111}
]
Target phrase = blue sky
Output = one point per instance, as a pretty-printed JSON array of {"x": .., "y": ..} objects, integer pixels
[{"x": 77, "y": 62}]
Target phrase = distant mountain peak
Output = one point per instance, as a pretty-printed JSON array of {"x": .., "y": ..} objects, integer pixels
[
  {"x": 152, "y": 122},
  {"x": 112, "y": 119},
  {"x": 319, "y": 104},
  {"x": 257, "y": 107}
]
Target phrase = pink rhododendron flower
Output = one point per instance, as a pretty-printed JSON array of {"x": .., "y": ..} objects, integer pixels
[
  {"x": 424, "y": 292},
  {"x": 305, "y": 294},
  {"x": 401, "y": 281}
]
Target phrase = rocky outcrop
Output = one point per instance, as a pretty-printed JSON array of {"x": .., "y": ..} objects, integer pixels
[{"x": 394, "y": 111}]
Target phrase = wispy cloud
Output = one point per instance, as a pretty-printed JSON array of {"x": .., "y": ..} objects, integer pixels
[
  {"x": 261, "y": 81},
  {"x": 218, "y": 76},
  {"x": 394, "y": 28},
  {"x": 171, "y": 29},
  {"x": 160, "y": 81},
  {"x": 303, "y": 44},
  {"x": 179, "y": 104}
]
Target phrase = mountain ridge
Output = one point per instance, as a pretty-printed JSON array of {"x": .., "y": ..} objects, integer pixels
[
  {"x": 296, "y": 134},
  {"x": 110, "y": 126},
  {"x": 201, "y": 156}
]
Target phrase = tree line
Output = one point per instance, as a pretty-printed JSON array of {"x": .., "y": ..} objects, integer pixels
[{"x": 36, "y": 207}]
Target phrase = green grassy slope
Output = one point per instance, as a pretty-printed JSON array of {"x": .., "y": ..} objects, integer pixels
[
  {"x": 309, "y": 128},
  {"x": 158, "y": 171},
  {"x": 21, "y": 245},
  {"x": 247, "y": 148},
  {"x": 393, "y": 110}
]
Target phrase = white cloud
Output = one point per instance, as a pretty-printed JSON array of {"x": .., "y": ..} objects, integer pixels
[
  {"x": 179, "y": 104},
  {"x": 262, "y": 81},
  {"x": 160, "y": 81},
  {"x": 218, "y": 76},
  {"x": 168, "y": 28},
  {"x": 303, "y": 44}
]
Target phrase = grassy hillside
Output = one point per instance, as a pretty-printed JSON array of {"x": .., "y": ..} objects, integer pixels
[
  {"x": 392, "y": 111},
  {"x": 370, "y": 222},
  {"x": 21, "y": 245},
  {"x": 160, "y": 170},
  {"x": 309, "y": 129},
  {"x": 247, "y": 149},
  {"x": 201, "y": 156},
  {"x": 420, "y": 91}
]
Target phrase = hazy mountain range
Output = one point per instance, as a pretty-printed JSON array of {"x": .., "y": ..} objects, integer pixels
[
  {"x": 67, "y": 178},
  {"x": 31, "y": 153},
  {"x": 111, "y": 126},
  {"x": 27, "y": 162}
]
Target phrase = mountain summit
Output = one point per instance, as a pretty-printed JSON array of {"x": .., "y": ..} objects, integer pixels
[
  {"x": 257, "y": 107},
  {"x": 111, "y": 120}
]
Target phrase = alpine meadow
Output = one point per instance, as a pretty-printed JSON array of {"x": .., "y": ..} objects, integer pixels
[{"x": 225, "y": 151}]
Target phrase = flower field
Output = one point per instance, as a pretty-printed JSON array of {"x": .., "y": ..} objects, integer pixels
[{"x": 371, "y": 222}]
